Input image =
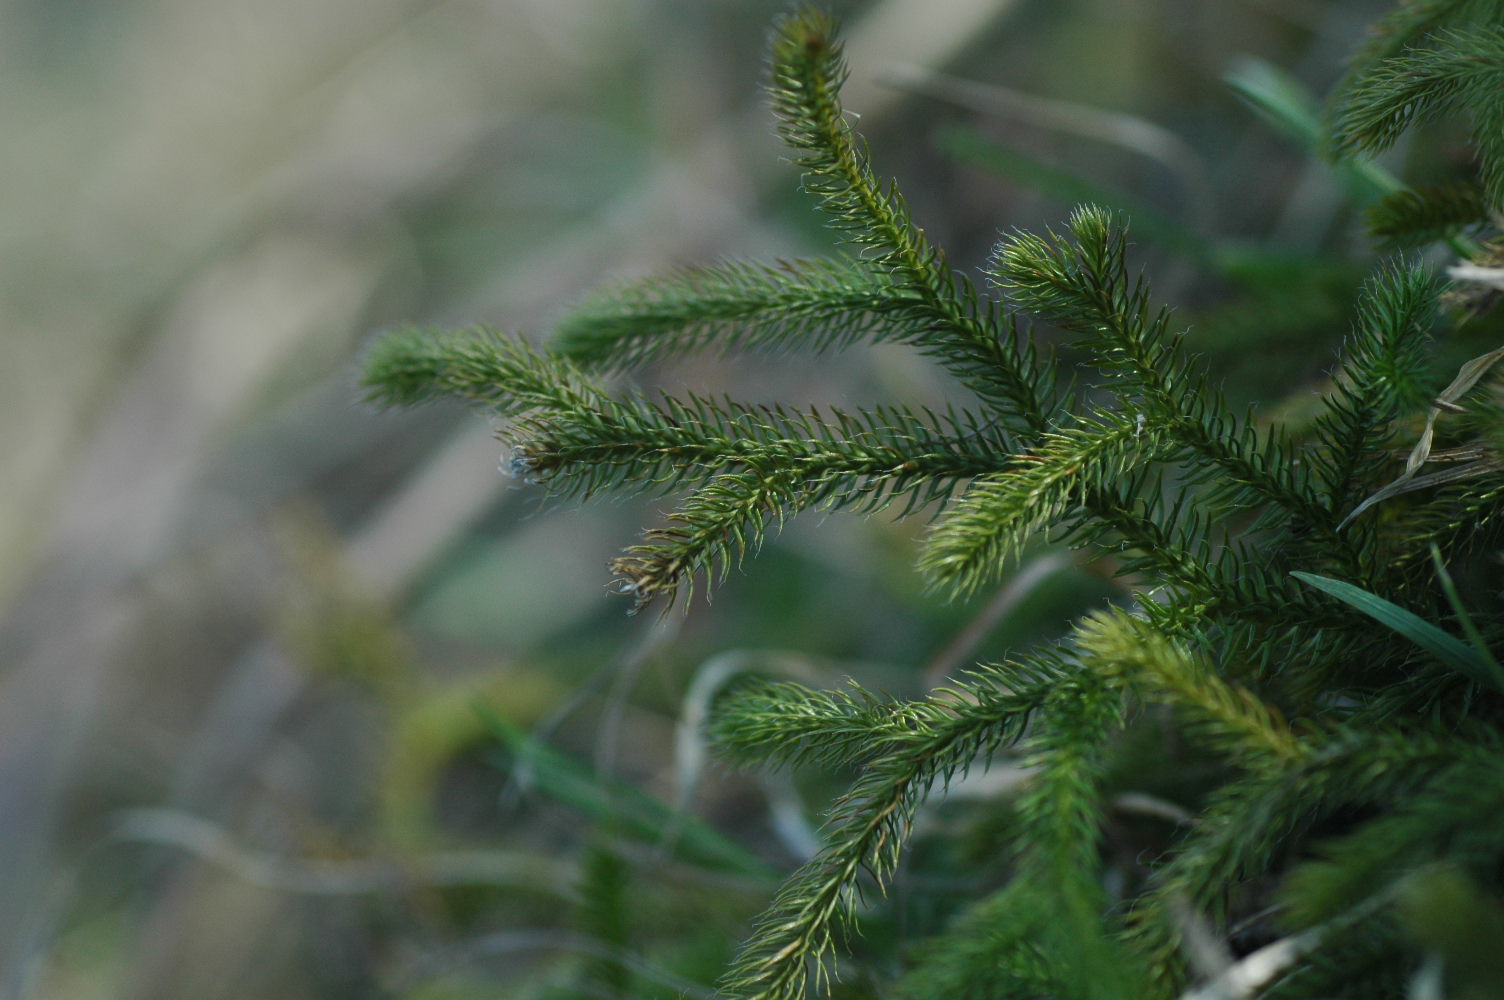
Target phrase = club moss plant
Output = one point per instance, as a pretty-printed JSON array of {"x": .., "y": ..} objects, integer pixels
[{"x": 1307, "y": 613}]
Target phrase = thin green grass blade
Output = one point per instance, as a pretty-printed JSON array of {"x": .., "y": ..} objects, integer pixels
[
  {"x": 1448, "y": 648},
  {"x": 1288, "y": 108},
  {"x": 627, "y": 808},
  {"x": 1463, "y": 618}
]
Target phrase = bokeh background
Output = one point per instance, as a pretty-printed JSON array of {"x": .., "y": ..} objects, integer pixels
[{"x": 303, "y": 699}]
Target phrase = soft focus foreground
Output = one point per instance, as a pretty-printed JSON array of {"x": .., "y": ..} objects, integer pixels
[{"x": 247, "y": 623}]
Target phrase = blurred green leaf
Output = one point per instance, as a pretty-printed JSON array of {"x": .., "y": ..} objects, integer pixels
[{"x": 630, "y": 810}]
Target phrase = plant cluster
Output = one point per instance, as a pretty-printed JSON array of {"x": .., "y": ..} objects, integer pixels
[{"x": 1310, "y": 634}]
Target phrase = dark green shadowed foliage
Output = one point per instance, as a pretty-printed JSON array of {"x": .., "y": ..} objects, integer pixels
[{"x": 1318, "y": 782}]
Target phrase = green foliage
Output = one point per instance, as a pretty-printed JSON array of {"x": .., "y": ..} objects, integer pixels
[
  {"x": 1382, "y": 375},
  {"x": 1450, "y": 70},
  {"x": 811, "y": 304},
  {"x": 1424, "y": 215},
  {"x": 618, "y": 806},
  {"x": 1475, "y": 663},
  {"x": 603, "y": 896},
  {"x": 1337, "y": 763}
]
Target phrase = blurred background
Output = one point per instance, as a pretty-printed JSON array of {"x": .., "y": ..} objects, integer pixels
[{"x": 302, "y": 699}]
